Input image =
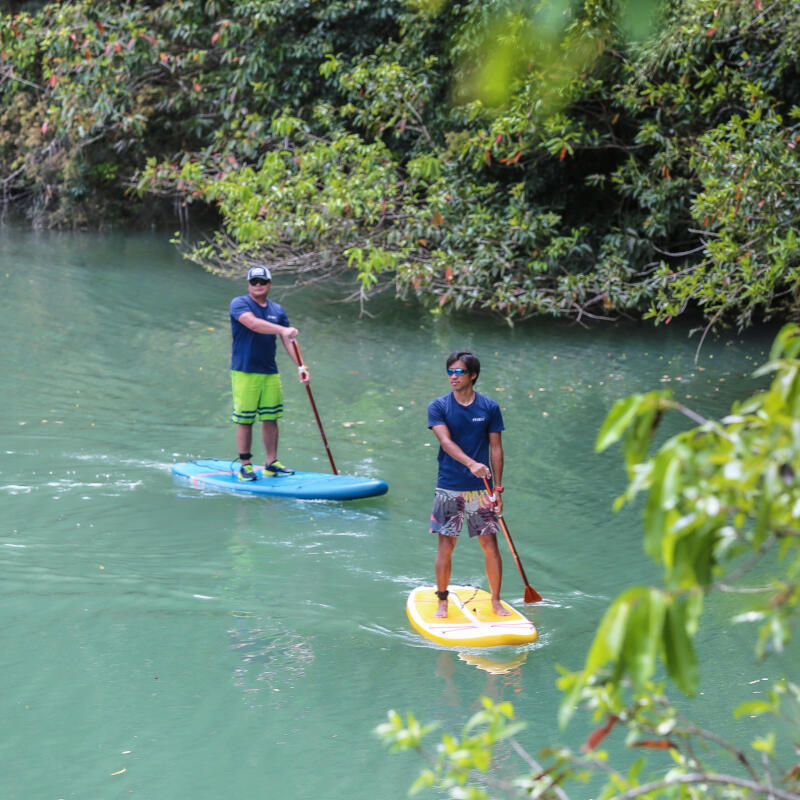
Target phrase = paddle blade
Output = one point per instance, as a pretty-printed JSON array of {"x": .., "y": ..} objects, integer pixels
[{"x": 531, "y": 595}]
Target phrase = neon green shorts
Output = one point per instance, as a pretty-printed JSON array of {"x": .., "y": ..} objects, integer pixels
[{"x": 256, "y": 396}]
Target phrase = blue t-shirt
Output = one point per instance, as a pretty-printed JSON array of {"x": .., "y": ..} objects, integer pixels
[
  {"x": 469, "y": 428},
  {"x": 254, "y": 352}
]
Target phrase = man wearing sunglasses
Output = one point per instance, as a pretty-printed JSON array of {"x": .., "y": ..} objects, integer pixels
[
  {"x": 468, "y": 426},
  {"x": 256, "y": 321}
]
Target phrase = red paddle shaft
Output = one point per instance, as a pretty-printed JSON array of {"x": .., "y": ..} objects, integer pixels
[
  {"x": 531, "y": 595},
  {"x": 314, "y": 409}
]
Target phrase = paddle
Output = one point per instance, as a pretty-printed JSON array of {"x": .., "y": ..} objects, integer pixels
[
  {"x": 531, "y": 595},
  {"x": 314, "y": 408}
]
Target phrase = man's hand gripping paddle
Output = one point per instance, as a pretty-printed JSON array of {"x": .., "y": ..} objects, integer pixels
[
  {"x": 531, "y": 595},
  {"x": 314, "y": 408}
]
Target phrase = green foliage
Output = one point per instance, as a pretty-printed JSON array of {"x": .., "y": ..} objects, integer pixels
[
  {"x": 716, "y": 494},
  {"x": 176, "y": 81},
  {"x": 457, "y": 756},
  {"x": 579, "y": 159},
  {"x": 720, "y": 515},
  {"x": 398, "y": 735}
]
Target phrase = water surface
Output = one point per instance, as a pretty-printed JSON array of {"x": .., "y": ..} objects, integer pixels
[{"x": 169, "y": 643}]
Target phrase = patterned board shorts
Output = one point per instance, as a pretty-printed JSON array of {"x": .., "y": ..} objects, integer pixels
[{"x": 451, "y": 507}]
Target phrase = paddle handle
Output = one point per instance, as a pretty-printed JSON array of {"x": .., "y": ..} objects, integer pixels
[
  {"x": 314, "y": 408},
  {"x": 531, "y": 595}
]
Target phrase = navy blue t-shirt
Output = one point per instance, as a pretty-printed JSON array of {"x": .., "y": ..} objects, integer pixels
[
  {"x": 254, "y": 352},
  {"x": 469, "y": 428}
]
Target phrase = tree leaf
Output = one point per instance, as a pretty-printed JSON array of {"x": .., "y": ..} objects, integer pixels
[
  {"x": 616, "y": 423},
  {"x": 679, "y": 654}
]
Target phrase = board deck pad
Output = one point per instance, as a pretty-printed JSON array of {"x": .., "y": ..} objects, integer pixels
[
  {"x": 470, "y": 621},
  {"x": 214, "y": 473}
]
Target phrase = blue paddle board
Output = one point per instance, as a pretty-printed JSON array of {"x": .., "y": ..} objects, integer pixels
[{"x": 214, "y": 473}]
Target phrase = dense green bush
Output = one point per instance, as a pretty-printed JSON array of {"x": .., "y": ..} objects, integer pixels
[{"x": 582, "y": 159}]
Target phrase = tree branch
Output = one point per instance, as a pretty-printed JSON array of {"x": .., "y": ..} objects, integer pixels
[
  {"x": 702, "y": 777},
  {"x": 536, "y": 767},
  {"x": 705, "y": 333}
]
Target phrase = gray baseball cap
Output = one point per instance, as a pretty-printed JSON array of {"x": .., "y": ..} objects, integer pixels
[{"x": 259, "y": 272}]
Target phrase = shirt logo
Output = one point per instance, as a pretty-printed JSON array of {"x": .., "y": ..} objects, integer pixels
[{"x": 479, "y": 419}]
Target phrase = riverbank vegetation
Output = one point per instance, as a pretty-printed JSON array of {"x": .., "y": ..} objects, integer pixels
[
  {"x": 720, "y": 516},
  {"x": 575, "y": 158}
]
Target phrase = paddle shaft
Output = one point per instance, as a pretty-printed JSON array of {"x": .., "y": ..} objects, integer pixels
[
  {"x": 314, "y": 409},
  {"x": 531, "y": 595}
]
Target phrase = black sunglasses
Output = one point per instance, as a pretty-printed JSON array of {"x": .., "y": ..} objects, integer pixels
[{"x": 258, "y": 282}]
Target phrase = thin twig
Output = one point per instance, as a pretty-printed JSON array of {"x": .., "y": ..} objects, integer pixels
[
  {"x": 703, "y": 777},
  {"x": 679, "y": 255},
  {"x": 582, "y": 310},
  {"x": 695, "y": 417},
  {"x": 705, "y": 333},
  {"x": 720, "y": 742},
  {"x": 703, "y": 233},
  {"x": 9, "y": 75},
  {"x": 745, "y": 568},
  {"x": 536, "y": 767}
]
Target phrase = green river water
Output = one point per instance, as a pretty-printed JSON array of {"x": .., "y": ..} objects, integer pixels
[{"x": 165, "y": 643}]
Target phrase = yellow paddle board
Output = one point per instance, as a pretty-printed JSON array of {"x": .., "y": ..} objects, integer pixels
[{"x": 470, "y": 620}]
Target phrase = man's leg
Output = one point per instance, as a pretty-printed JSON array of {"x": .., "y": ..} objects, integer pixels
[
  {"x": 245, "y": 403},
  {"x": 494, "y": 570},
  {"x": 269, "y": 435},
  {"x": 442, "y": 565},
  {"x": 244, "y": 440}
]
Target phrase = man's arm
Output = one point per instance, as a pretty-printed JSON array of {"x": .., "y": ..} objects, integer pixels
[
  {"x": 302, "y": 371},
  {"x": 496, "y": 458},
  {"x": 442, "y": 433},
  {"x": 250, "y": 320}
]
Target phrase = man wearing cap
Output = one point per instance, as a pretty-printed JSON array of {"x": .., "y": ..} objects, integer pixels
[{"x": 255, "y": 322}]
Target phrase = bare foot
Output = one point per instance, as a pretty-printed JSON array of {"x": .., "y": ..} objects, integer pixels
[
  {"x": 441, "y": 611},
  {"x": 500, "y": 609}
]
